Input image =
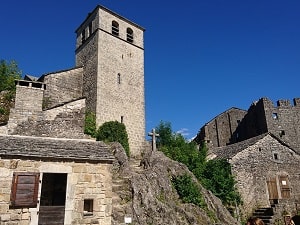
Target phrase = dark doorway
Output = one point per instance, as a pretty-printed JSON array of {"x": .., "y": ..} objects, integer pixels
[{"x": 53, "y": 198}]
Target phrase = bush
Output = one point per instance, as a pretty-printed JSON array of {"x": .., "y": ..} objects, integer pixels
[
  {"x": 187, "y": 190},
  {"x": 114, "y": 131},
  {"x": 214, "y": 175},
  {"x": 90, "y": 124}
]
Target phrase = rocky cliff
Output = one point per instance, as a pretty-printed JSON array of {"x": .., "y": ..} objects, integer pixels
[{"x": 143, "y": 192}]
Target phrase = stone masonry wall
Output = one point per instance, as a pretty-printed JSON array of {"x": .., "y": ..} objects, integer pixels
[
  {"x": 66, "y": 121},
  {"x": 222, "y": 129},
  {"x": 84, "y": 181},
  {"x": 62, "y": 87},
  {"x": 255, "y": 165},
  {"x": 28, "y": 103},
  {"x": 283, "y": 121}
]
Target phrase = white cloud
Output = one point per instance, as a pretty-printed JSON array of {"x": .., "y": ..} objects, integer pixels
[{"x": 183, "y": 132}]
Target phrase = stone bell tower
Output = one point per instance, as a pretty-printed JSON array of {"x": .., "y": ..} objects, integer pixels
[{"x": 110, "y": 48}]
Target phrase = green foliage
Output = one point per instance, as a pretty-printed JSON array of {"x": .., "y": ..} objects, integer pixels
[
  {"x": 114, "y": 131},
  {"x": 215, "y": 175},
  {"x": 90, "y": 124},
  {"x": 187, "y": 190},
  {"x": 3, "y": 111},
  {"x": 8, "y": 73}
]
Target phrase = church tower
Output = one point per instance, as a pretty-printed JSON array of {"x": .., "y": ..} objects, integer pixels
[{"x": 110, "y": 48}]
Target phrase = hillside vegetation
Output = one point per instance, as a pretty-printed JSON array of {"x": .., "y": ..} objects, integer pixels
[{"x": 9, "y": 72}]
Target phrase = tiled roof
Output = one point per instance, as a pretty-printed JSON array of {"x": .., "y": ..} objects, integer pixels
[
  {"x": 54, "y": 148},
  {"x": 229, "y": 151}
]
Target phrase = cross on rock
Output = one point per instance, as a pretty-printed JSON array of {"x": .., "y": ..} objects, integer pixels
[{"x": 153, "y": 134}]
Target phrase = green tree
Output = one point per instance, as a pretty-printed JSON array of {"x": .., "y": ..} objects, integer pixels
[
  {"x": 215, "y": 175},
  {"x": 9, "y": 71},
  {"x": 114, "y": 131}
]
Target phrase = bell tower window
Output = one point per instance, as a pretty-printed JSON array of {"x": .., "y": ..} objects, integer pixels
[
  {"x": 115, "y": 28},
  {"x": 130, "y": 35}
]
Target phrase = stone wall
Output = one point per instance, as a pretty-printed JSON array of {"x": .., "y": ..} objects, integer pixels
[
  {"x": 62, "y": 87},
  {"x": 66, "y": 121},
  {"x": 222, "y": 129},
  {"x": 254, "y": 166},
  {"x": 282, "y": 120},
  {"x": 84, "y": 181},
  {"x": 28, "y": 103}
]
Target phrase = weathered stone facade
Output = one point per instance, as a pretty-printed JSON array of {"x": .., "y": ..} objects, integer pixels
[
  {"x": 267, "y": 172},
  {"x": 263, "y": 150},
  {"x": 111, "y": 50},
  {"x": 262, "y": 116},
  {"x": 219, "y": 131},
  {"x": 86, "y": 165}
]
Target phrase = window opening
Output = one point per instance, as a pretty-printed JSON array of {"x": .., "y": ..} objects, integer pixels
[
  {"x": 90, "y": 28},
  {"x": 88, "y": 207},
  {"x": 122, "y": 119},
  {"x": 275, "y": 116},
  {"x": 115, "y": 28},
  {"x": 275, "y": 155},
  {"x": 119, "y": 78},
  {"x": 281, "y": 133},
  {"x": 83, "y": 36},
  {"x": 130, "y": 35}
]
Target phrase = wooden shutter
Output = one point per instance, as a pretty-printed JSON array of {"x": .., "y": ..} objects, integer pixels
[{"x": 24, "y": 191}]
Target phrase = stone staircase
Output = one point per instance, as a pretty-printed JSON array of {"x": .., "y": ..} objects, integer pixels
[
  {"x": 266, "y": 214},
  {"x": 121, "y": 188}
]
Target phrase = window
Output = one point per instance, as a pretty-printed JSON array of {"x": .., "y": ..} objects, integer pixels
[
  {"x": 119, "y": 78},
  {"x": 24, "y": 189},
  {"x": 115, "y": 28},
  {"x": 275, "y": 155},
  {"x": 88, "y": 207},
  {"x": 90, "y": 28},
  {"x": 83, "y": 36},
  {"x": 130, "y": 35},
  {"x": 122, "y": 119},
  {"x": 281, "y": 133},
  {"x": 275, "y": 116}
]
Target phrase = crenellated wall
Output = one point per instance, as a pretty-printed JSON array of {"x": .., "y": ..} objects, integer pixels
[{"x": 282, "y": 120}]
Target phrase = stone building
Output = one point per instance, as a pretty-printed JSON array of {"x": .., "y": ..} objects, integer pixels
[
  {"x": 47, "y": 180},
  {"x": 49, "y": 169},
  {"x": 110, "y": 49},
  {"x": 219, "y": 131},
  {"x": 108, "y": 75},
  {"x": 234, "y": 125},
  {"x": 266, "y": 171},
  {"x": 262, "y": 146}
]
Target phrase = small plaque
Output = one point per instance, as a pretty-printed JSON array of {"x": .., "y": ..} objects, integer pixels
[{"x": 127, "y": 219}]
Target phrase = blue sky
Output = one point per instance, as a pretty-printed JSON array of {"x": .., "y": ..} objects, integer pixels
[{"x": 201, "y": 57}]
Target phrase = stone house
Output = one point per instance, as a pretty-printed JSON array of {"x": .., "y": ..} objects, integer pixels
[
  {"x": 54, "y": 180},
  {"x": 262, "y": 146},
  {"x": 267, "y": 173}
]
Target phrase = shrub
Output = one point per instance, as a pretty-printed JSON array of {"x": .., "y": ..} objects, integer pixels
[
  {"x": 187, "y": 190},
  {"x": 90, "y": 123},
  {"x": 114, "y": 131}
]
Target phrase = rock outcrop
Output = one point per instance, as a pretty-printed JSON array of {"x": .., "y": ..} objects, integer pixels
[{"x": 143, "y": 192}]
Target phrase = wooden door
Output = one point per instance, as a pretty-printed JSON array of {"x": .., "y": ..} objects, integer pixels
[{"x": 272, "y": 188}]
